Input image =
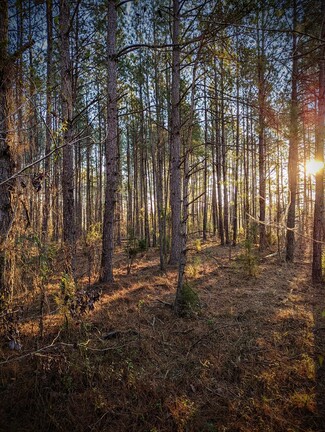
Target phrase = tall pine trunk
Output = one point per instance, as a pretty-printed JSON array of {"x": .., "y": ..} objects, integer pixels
[
  {"x": 318, "y": 231},
  {"x": 48, "y": 120},
  {"x": 111, "y": 149},
  {"x": 6, "y": 159},
  {"x": 261, "y": 136},
  {"x": 67, "y": 116},
  {"x": 175, "y": 141},
  {"x": 293, "y": 147}
]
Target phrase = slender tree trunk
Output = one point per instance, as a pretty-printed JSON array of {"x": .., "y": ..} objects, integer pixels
[
  {"x": 318, "y": 231},
  {"x": 175, "y": 142},
  {"x": 224, "y": 160},
  {"x": 67, "y": 115},
  {"x": 205, "y": 174},
  {"x": 100, "y": 163},
  {"x": 161, "y": 211},
  {"x": 293, "y": 146},
  {"x": 218, "y": 159},
  {"x": 152, "y": 178},
  {"x": 183, "y": 233},
  {"x": 89, "y": 212},
  {"x": 111, "y": 149},
  {"x": 19, "y": 86},
  {"x": 235, "y": 215},
  {"x": 48, "y": 120},
  {"x": 129, "y": 218},
  {"x": 214, "y": 186},
  {"x": 6, "y": 158},
  {"x": 144, "y": 174},
  {"x": 261, "y": 137}
]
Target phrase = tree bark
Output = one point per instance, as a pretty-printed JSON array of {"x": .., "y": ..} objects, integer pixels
[
  {"x": 235, "y": 216},
  {"x": 48, "y": 120},
  {"x": 6, "y": 158},
  {"x": 69, "y": 230},
  {"x": 175, "y": 142},
  {"x": 218, "y": 159},
  {"x": 318, "y": 231},
  {"x": 111, "y": 148},
  {"x": 224, "y": 158},
  {"x": 205, "y": 174},
  {"x": 261, "y": 136},
  {"x": 293, "y": 146}
]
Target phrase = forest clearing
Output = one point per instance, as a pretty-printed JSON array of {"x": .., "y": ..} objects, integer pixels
[
  {"x": 246, "y": 356},
  {"x": 162, "y": 219}
]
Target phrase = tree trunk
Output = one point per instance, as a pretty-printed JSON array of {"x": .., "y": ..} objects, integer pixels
[
  {"x": 205, "y": 174},
  {"x": 161, "y": 210},
  {"x": 6, "y": 159},
  {"x": 235, "y": 215},
  {"x": 224, "y": 159},
  {"x": 261, "y": 136},
  {"x": 218, "y": 159},
  {"x": 175, "y": 142},
  {"x": 48, "y": 120},
  {"x": 293, "y": 147},
  {"x": 318, "y": 231},
  {"x": 67, "y": 115},
  {"x": 111, "y": 149}
]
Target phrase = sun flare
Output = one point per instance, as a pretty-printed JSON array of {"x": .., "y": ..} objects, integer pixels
[{"x": 313, "y": 166}]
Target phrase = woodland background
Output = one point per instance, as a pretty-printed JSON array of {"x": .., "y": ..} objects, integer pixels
[{"x": 156, "y": 194}]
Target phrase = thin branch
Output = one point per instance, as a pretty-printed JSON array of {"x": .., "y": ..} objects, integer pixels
[
  {"x": 123, "y": 2},
  {"x": 41, "y": 159},
  {"x": 130, "y": 48}
]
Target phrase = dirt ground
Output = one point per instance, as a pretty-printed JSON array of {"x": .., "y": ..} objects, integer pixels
[{"x": 248, "y": 356}]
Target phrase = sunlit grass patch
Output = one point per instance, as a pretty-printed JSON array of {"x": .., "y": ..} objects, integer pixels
[
  {"x": 182, "y": 410},
  {"x": 303, "y": 400}
]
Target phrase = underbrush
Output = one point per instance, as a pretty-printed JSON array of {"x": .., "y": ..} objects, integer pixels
[{"x": 242, "y": 360}]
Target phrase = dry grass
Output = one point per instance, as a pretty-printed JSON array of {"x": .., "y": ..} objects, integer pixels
[{"x": 247, "y": 360}]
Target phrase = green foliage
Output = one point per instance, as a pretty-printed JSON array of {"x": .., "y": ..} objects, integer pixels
[
  {"x": 94, "y": 234},
  {"x": 66, "y": 294},
  {"x": 192, "y": 269},
  {"x": 210, "y": 427},
  {"x": 36, "y": 260},
  {"x": 189, "y": 300},
  {"x": 75, "y": 302},
  {"x": 133, "y": 247},
  {"x": 248, "y": 259},
  {"x": 142, "y": 245},
  {"x": 198, "y": 245}
]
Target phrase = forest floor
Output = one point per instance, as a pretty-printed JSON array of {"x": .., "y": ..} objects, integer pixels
[{"x": 248, "y": 357}]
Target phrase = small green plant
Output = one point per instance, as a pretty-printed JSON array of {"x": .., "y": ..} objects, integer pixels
[
  {"x": 131, "y": 251},
  {"x": 75, "y": 302},
  {"x": 142, "y": 245},
  {"x": 182, "y": 410},
  {"x": 133, "y": 247},
  {"x": 65, "y": 295},
  {"x": 198, "y": 246},
  {"x": 192, "y": 269},
  {"x": 248, "y": 259},
  {"x": 93, "y": 235},
  {"x": 189, "y": 299}
]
